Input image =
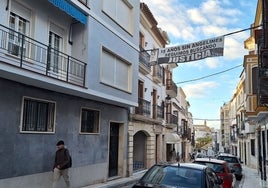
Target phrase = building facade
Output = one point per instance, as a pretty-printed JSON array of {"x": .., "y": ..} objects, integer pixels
[
  {"x": 61, "y": 78},
  {"x": 147, "y": 120},
  {"x": 156, "y": 124},
  {"x": 224, "y": 145},
  {"x": 186, "y": 128},
  {"x": 249, "y": 126},
  {"x": 257, "y": 112}
]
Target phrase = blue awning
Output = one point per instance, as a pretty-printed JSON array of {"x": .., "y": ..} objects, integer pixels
[{"x": 70, "y": 9}]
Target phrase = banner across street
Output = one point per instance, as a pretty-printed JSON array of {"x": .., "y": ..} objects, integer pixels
[{"x": 189, "y": 52}]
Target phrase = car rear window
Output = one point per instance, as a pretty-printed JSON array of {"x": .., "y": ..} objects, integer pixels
[
  {"x": 229, "y": 159},
  {"x": 218, "y": 168},
  {"x": 173, "y": 176}
]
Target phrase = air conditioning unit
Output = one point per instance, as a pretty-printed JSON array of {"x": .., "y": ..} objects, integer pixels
[{"x": 13, "y": 48}]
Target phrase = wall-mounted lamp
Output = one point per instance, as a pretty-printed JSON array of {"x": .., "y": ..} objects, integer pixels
[
  {"x": 145, "y": 89},
  {"x": 152, "y": 93},
  {"x": 158, "y": 96},
  {"x": 167, "y": 99}
]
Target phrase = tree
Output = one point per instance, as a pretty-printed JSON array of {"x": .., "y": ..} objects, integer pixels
[{"x": 200, "y": 142}]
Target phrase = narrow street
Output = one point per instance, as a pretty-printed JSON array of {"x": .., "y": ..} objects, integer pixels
[{"x": 251, "y": 179}]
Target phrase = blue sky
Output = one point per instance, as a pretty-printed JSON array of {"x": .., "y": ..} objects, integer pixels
[{"x": 188, "y": 21}]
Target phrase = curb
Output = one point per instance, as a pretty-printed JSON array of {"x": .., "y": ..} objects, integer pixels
[{"x": 120, "y": 182}]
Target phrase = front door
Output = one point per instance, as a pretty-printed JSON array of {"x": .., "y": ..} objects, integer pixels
[{"x": 113, "y": 152}]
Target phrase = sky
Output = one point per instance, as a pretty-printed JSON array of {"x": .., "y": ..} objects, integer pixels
[{"x": 188, "y": 21}]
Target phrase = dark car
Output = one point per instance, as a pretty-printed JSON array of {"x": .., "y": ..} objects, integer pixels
[
  {"x": 233, "y": 163},
  {"x": 221, "y": 169},
  {"x": 181, "y": 175}
]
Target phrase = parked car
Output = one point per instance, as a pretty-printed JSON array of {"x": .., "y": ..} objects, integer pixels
[
  {"x": 186, "y": 175},
  {"x": 233, "y": 163},
  {"x": 200, "y": 155},
  {"x": 221, "y": 169}
]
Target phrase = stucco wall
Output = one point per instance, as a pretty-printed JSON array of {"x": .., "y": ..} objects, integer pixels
[{"x": 23, "y": 154}]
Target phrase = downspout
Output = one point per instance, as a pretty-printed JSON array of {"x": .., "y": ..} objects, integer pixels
[
  {"x": 7, "y": 7},
  {"x": 264, "y": 155},
  {"x": 70, "y": 41},
  {"x": 259, "y": 151}
]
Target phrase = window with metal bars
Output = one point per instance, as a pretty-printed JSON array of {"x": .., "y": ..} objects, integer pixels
[
  {"x": 90, "y": 121},
  {"x": 38, "y": 115}
]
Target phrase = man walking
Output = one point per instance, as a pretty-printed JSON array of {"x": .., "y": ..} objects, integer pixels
[{"x": 61, "y": 165}]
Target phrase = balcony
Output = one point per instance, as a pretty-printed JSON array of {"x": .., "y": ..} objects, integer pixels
[
  {"x": 28, "y": 54},
  {"x": 144, "y": 108},
  {"x": 253, "y": 111},
  {"x": 171, "y": 88},
  {"x": 144, "y": 65},
  {"x": 171, "y": 121},
  {"x": 157, "y": 74},
  {"x": 160, "y": 112}
]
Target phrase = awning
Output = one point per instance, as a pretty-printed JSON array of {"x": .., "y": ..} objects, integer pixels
[
  {"x": 172, "y": 138},
  {"x": 70, "y": 9}
]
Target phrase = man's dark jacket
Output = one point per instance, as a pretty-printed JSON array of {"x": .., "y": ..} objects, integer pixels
[{"x": 62, "y": 159}]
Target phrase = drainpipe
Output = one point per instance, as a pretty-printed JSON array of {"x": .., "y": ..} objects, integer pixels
[
  {"x": 70, "y": 40},
  {"x": 259, "y": 151},
  {"x": 7, "y": 7},
  {"x": 263, "y": 155}
]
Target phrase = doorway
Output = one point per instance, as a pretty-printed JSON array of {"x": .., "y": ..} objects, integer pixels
[
  {"x": 113, "y": 152},
  {"x": 139, "y": 151}
]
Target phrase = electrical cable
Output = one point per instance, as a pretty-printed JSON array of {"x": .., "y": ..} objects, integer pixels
[{"x": 203, "y": 77}]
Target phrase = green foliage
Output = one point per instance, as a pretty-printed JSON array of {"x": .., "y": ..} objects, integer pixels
[{"x": 200, "y": 142}]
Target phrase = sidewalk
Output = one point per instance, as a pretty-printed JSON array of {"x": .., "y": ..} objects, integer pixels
[
  {"x": 252, "y": 179},
  {"x": 121, "y": 182}
]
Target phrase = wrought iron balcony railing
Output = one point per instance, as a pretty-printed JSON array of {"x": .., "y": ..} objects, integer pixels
[
  {"x": 157, "y": 73},
  {"x": 29, "y": 54},
  {"x": 160, "y": 112},
  {"x": 171, "y": 120},
  {"x": 144, "y": 107},
  {"x": 144, "y": 58}
]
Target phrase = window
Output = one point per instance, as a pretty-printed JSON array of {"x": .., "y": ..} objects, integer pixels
[
  {"x": 57, "y": 62},
  {"x": 115, "y": 71},
  {"x": 212, "y": 177},
  {"x": 120, "y": 11},
  {"x": 55, "y": 43},
  {"x": 19, "y": 21},
  {"x": 15, "y": 40},
  {"x": 252, "y": 147},
  {"x": 90, "y": 121},
  {"x": 254, "y": 80},
  {"x": 38, "y": 115}
]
